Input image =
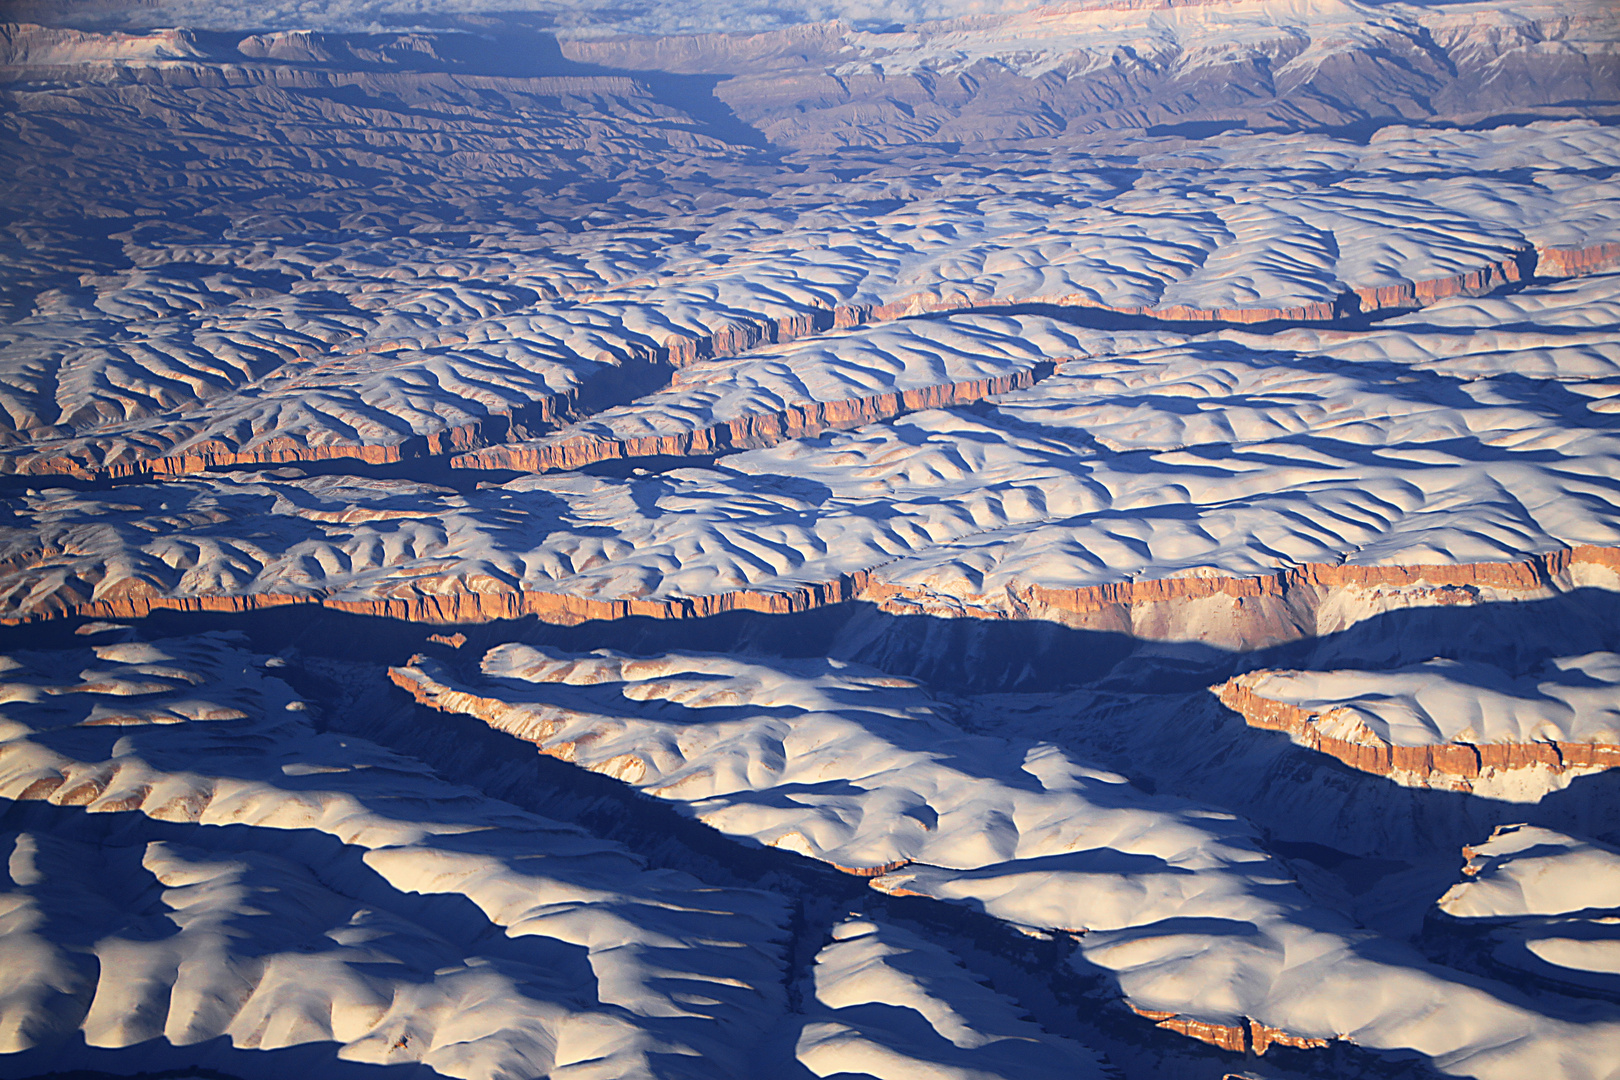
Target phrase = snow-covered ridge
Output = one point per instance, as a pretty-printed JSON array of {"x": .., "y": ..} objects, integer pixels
[
  {"x": 871, "y": 974},
  {"x": 263, "y": 345},
  {"x": 1447, "y": 724},
  {"x": 1522, "y": 870},
  {"x": 866, "y": 772},
  {"x": 1549, "y": 902},
  {"x": 1061, "y": 71},
  {"x": 1067, "y": 361},
  {"x": 190, "y": 861},
  {"x": 1355, "y": 468}
]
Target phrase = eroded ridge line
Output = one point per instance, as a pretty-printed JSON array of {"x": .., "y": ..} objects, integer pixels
[
  {"x": 450, "y": 602},
  {"x": 1431, "y": 762},
  {"x": 751, "y": 432},
  {"x": 466, "y": 444}
]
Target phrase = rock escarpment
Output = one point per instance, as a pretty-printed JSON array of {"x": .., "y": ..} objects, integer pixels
[
  {"x": 875, "y": 773},
  {"x": 485, "y": 439},
  {"x": 1250, "y": 1037},
  {"x": 162, "y": 343},
  {"x": 1071, "y": 72},
  {"x": 237, "y": 878},
  {"x": 1236, "y": 492},
  {"x": 754, "y": 431},
  {"x": 1049, "y": 367},
  {"x": 1448, "y": 725}
]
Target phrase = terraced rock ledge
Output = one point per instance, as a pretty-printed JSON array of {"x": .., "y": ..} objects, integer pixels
[
  {"x": 1448, "y": 725},
  {"x": 488, "y": 442}
]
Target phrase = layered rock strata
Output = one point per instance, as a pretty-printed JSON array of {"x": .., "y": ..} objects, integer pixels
[
  {"x": 241, "y": 429},
  {"x": 192, "y": 863},
  {"x": 485, "y": 442},
  {"x": 991, "y": 76},
  {"x": 1435, "y": 584},
  {"x": 1250, "y": 1037},
  {"x": 1240, "y": 481},
  {"x": 760, "y": 430},
  {"x": 1069, "y": 411},
  {"x": 166, "y": 346},
  {"x": 1554, "y": 262},
  {"x": 452, "y": 603},
  {"x": 1446, "y": 725},
  {"x": 831, "y": 760}
]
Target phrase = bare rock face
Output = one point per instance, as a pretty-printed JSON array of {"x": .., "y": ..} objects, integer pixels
[
  {"x": 1313, "y": 489},
  {"x": 866, "y": 773},
  {"x": 166, "y": 342},
  {"x": 1448, "y": 725}
]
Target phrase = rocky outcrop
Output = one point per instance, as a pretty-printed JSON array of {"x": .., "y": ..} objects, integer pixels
[
  {"x": 494, "y": 429},
  {"x": 749, "y": 432},
  {"x": 540, "y": 725},
  {"x": 873, "y": 871},
  {"x": 1242, "y": 1038},
  {"x": 1447, "y": 584},
  {"x": 816, "y": 87},
  {"x": 1572, "y": 262},
  {"x": 767, "y": 429},
  {"x": 213, "y": 454},
  {"x": 1417, "y": 294},
  {"x": 453, "y": 600},
  {"x": 1363, "y": 299},
  {"x": 861, "y": 314},
  {"x": 485, "y": 443},
  {"x": 459, "y": 605},
  {"x": 745, "y": 334},
  {"x": 1405, "y": 294},
  {"x": 1455, "y": 765}
]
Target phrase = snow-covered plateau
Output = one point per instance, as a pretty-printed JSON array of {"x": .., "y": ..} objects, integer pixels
[{"x": 950, "y": 540}]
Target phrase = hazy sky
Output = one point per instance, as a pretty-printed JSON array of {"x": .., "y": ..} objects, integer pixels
[{"x": 587, "y": 16}]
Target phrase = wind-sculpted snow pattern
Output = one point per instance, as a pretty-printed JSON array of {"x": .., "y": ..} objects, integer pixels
[
  {"x": 871, "y": 974},
  {"x": 1548, "y": 902},
  {"x": 263, "y": 344},
  {"x": 1208, "y": 469},
  {"x": 1179, "y": 901},
  {"x": 781, "y": 540},
  {"x": 191, "y": 859}
]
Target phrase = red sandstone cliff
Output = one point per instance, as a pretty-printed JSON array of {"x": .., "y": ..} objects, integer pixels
[
  {"x": 749, "y": 432},
  {"x": 496, "y": 428},
  {"x": 1443, "y": 764},
  {"x": 1572, "y": 262},
  {"x": 481, "y": 444},
  {"x": 450, "y": 600},
  {"x": 1238, "y": 1038},
  {"x": 1450, "y": 582}
]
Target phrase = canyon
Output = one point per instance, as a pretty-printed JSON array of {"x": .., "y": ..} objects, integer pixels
[{"x": 865, "y": 541}]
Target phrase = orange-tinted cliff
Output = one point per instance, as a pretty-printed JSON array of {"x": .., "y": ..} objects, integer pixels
[
  {"x": 749, "y": 432},
  {"x": 1443, "y": 764},
  {"x": 453, "y": 600},
  {"x": 485, "y": 443},
  {"x": 1240, "y": 1038}
]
